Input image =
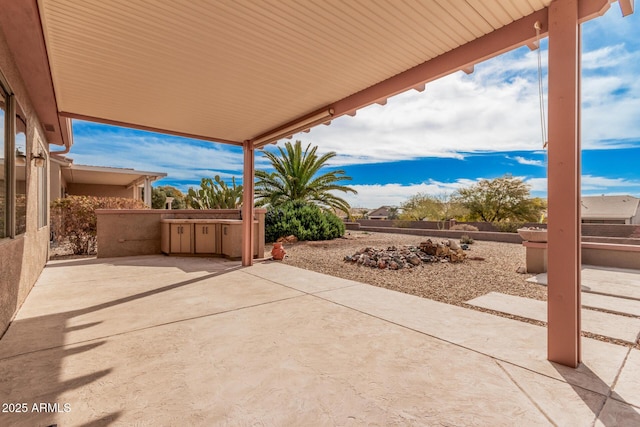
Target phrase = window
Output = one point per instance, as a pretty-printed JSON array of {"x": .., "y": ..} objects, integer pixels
[
  {"x": 21, "y": 167},
  {"x": 14, "y": 162}
]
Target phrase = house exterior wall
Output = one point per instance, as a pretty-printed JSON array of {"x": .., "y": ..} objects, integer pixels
[
  {"x": 101, "y": 190},
  {"x": 22, "y": 258}
]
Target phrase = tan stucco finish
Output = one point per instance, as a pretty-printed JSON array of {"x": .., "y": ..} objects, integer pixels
[{"x": 22, "y": 258}]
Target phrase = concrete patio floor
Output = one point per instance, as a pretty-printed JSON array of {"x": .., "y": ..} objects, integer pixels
[{"x": 195, "y": 341}]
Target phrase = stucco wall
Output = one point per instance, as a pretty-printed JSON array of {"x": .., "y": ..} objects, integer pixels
[
  {"x": 23, "y": 258},
  {"x": 100, "y": 190}
]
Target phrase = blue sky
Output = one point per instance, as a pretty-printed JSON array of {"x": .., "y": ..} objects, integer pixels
[{"x": 460, "y": 129}]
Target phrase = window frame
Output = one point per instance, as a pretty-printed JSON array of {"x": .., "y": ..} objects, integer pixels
[{"x": 11, "y": 110}]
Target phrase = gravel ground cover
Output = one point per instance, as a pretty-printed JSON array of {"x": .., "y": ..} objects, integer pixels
[{"x": 451, "y": 283}]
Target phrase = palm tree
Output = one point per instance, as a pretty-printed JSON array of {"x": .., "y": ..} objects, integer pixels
[{"x": 297, "y": 177}]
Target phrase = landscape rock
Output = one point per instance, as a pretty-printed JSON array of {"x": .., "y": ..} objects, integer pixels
[
  {"x": 407, "y": 256},
  {"x": 453, "y": 245}
]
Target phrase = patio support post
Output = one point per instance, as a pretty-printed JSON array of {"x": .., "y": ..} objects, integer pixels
[
  {"x": 564, "y": 261},
  {"x": 247, "y": 204},
  {"x": 147, "y": 191}
]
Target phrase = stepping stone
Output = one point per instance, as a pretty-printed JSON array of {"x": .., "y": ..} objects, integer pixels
[
  {"x": 613, "y": 304},
  {"x": 606, "y": 324},
  {"x": 607, "y": 281}
]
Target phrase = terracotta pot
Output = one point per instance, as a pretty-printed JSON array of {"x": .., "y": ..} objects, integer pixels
[{"x": 278, "y": 251}]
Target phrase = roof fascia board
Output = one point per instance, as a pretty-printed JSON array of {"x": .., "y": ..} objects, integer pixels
[
  {"x": 70, "y": 115},
  {"x": 88, "y": 168},
  {"x": 290, "y": 128},
  {"x": 141, "y": 180}
]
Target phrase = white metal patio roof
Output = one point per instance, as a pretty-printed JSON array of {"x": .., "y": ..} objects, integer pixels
[{"x": 232, "y": 71}]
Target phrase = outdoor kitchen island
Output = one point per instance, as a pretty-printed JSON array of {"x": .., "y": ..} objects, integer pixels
[
  {"x": 185, "y": 232},
  {"x": 205, "y": 237}
]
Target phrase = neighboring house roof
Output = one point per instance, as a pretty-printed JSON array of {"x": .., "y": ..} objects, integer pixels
[
  {"x": 102, "y": 175},
  {"x": 382, "y": 211},
  {"x": 609, "y": 207}
]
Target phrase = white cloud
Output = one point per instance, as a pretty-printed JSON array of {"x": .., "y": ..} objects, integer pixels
[
  {"x": 530, "y": 162},
  {"x": 494, "y": 109},
  {"x": 538, "y": 186},
  {"x": 605, "y": 57},
  {"x": 599, "y": 183},
  {"x": 376, "y": 195},
  {"x": 182, "y": 159},
  {"x": 454, "y": 116}
]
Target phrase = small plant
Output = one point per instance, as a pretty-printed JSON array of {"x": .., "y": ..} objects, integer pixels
[
  {"x": 464, "y": 227},
  {"x": 465, "y": 239}
]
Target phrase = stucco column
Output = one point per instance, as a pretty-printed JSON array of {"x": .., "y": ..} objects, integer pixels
[
  {"x": 147, "y": 191},
  {"x": 564, "y": 263},
  {"x": 247, "y": 204}
]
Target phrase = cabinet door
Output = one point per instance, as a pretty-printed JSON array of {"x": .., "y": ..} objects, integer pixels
[
  {"x": 180, "y": 238},
  {"x": 205, "y": 235},
  {"x": 185, "y": 239},
  {"x": 175, "y": 238}
]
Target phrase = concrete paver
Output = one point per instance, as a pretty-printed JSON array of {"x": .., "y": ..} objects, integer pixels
[
  {"x": 616, "y": 413},
  {"x": 607, "y": 281},
  {"x": 606, "y": 324},
  {"x": 276, "y": 345},
  {"x": 627, "y": 388},
  {"x": 518, "y": 343},
  {"x": 612, "y": 304}
]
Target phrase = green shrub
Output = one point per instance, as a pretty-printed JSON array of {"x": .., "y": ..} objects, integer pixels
[
  {"x": 464, "y": 239},
  {"x": 508, "y": 226},
  {"x": 73, "y": 219},
  {"x": 464, "y": 227},
  {"x": 306, "y": 221}
]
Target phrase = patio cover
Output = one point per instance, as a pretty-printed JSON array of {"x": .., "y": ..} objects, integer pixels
[{"x": 251, "y": 72}]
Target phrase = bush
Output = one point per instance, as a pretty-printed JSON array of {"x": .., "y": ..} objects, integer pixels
[
  {"x": 306, "y": 221},
  {"x": 508, "y": 227},
  {"x": 464, "y": 239},
  {"x": 73, "y": 219},
  {"x": 464, "y": 227}
]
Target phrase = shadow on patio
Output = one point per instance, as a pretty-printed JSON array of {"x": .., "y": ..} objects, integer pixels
[{"x": 196, "y": 341}]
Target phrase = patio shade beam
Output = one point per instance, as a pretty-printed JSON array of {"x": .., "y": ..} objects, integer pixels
[
  {"x": 564, "y": 263},
  {"x": 145, "y": 128},
  {"x": 626, "y": 7}
]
